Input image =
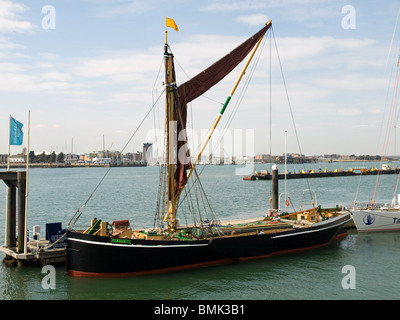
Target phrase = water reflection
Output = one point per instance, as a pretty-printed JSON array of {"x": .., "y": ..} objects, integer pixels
[{"x": 25, "y": 283}]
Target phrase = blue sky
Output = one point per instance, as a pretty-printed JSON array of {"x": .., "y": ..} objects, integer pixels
[{"x": 96, "y": 72}]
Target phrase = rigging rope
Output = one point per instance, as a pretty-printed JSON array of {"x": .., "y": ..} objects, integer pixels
[
  {"x": 240, "y": 98},
  {"x": 384, "y": 110},
  {"x": 270, "y": 114},
  {"x": 290, "y": 107},
  {"x": 387, "y": 135},
  {"x": 196, "y": 178},
  {"x": 79, "y": 212}
]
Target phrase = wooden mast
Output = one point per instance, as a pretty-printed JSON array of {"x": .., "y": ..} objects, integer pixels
[{"x": 170, "y": 86}]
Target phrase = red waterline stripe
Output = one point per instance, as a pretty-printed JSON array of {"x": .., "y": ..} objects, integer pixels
[
  {"x": 74, "y": 273},
  {"x": 255, "y": 257},
  {"x": 301, "y": 249},
  {"x": 340, "y": 236}
]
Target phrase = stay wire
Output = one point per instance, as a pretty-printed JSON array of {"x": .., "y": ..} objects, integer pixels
[
  {"x": 270, "y": 114},
  {"x": 387, "y": 135},
  {"x": 290, "y": 106},
  {"x": 79, "y": 212},
  {"x": 385, "y": 106},
  {"x": 232, "y": 114}
]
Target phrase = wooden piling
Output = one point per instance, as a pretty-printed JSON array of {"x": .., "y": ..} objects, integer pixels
[
  {"x": 275, "y": 188},
  {"x": 21, "y": 183},
  {"x": 37, "y": 250},
  {"x": 16, "y": 188},
  {"x": 11, "y": 217}
]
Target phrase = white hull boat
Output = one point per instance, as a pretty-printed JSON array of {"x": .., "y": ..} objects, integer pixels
[{"x": 377, "y": 218}]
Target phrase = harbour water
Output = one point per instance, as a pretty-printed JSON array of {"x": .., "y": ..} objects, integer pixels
[{"x": 131, "y": 193}]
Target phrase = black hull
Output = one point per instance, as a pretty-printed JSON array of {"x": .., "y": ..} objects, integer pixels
[{"x": 94, "y": 256}]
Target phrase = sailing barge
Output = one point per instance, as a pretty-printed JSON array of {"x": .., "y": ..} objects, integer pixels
[{"x": 115, "y": 250}]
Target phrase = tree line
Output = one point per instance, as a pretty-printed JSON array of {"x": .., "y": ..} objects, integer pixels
[
  {"x": 46, "y": 158},
  {"x": 368, "y": 157}
]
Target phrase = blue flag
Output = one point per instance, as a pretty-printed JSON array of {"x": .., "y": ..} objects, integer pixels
[{"x": 16, "y": 134}]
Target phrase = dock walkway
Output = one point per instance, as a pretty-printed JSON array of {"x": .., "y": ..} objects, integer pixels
[{"x": 21, "y": 248}]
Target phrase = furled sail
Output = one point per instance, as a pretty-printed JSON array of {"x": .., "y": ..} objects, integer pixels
[{"x": 201, "y": 83}]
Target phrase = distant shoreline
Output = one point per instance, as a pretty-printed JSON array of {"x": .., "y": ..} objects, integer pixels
[
  {"x": 64, "y": 165},
  {"x": 96, "y": 165},
  {"x": 356, "y": 160}
]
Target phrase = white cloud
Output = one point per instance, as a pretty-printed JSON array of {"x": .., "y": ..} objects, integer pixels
[
  {"x": 353, "y": 82},
  {"x": 6, "y": 44},
  {"x": 314, "y": 46},
  {"x": 112, "y": 81},
  {"x": 127, "y": 8},
  {"x": 253, "y": 19},
  {"x": 10, "y": 67},
  {"x": 349, "y": 112},
  {"x": 135, "y": 96},
  {"x": 10, "y": 20},
  {"x": 323, "y": 54},
  {"x": 234, "y": 6},
  {"x": 241, "y": 5},
  {"x": 128, "y": 76},
  {"x": 117, "y": 64},
  {"x": 48, "y": 55},
  {"x": 56, "y": 76}
]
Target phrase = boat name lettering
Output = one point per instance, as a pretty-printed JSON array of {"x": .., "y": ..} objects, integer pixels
[{"x": 396, "y": 220}]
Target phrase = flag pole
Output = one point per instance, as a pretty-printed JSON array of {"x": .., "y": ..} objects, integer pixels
[
  {"x": 26, "y": 188},
  {"x": 7, "y": 234},
  {"x": 9, "y": 143}
]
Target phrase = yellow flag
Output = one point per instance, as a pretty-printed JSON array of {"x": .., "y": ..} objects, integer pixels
[{"x": 171, "y": 23}]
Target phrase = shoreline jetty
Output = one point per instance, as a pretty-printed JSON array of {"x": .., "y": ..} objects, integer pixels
[{"x": 265, "y": 175}]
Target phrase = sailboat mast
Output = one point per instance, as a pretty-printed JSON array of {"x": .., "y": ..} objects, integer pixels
[{"x": 170, "y": 85}]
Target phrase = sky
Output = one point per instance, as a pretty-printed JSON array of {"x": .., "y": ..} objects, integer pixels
[{"x": 90, "y": 70}]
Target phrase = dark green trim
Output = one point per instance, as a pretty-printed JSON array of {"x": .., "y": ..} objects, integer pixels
[
  {"x": 225, "y": 105},
  {"x": 124, "y": 241}
]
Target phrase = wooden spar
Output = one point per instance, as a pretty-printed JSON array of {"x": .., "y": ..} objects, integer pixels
[
  {"x": 170, "y": 123},
  {"x": 215, "y": 124}
]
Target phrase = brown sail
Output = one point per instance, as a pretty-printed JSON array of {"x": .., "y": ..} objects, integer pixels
[{"x": 198, "y": 85}]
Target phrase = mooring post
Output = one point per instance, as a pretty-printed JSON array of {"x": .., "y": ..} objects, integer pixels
[
  {"x": 21, "y": 183},
  {"x": 11, "y": 216},
  {"x": 275, "y": 189}
]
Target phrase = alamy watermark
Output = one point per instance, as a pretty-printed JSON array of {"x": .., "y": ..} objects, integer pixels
[
  {"x": 349, "y": 20},
  {"x": 349, "y": 280},
  {"x": 222, "y": 147},
  {"x": 49, "y": 20},
  {"x": 49, "y": 280}
]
